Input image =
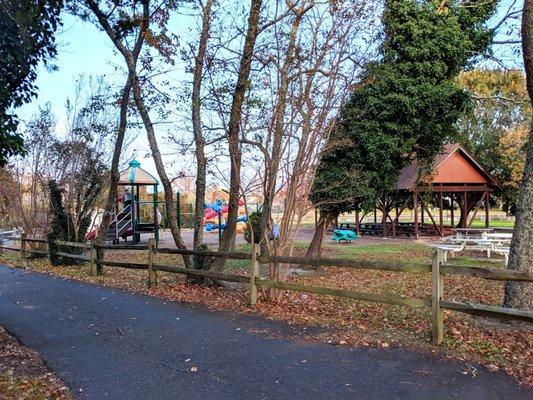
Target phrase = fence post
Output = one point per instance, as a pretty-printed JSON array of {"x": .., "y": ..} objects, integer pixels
[
  {"x": 94, "y": 259},
  {"x": 23, "y": 244},
  {"x": 152, "y": 274},
  {"x": 254, "y": 274},
  {"x": 99, "y": 258},
  {"x": 436, "y": 297}
]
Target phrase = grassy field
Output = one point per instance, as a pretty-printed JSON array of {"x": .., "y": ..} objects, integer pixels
[
  {"x": 343, "y": 321},
  {"x": 493, "y": 224}
]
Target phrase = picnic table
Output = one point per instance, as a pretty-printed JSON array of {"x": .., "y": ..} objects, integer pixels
[
  {"x": 484, "y": 241},
  {"x": 364, "y": 228},
  {"x": 472, "y": 231}
]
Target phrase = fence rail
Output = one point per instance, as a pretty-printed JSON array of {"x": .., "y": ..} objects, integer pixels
[{"x": 437, "y": 269}]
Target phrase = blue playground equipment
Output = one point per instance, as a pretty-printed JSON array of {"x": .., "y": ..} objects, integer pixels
[{"x": 346, "y": 235}]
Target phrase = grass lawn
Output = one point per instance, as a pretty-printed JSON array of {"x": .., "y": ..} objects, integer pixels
[
  {"x": 343, "y": 321},
  {"x": 493, "y": 224}
]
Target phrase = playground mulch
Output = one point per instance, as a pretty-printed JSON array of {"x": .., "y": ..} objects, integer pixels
[
  {"x": 24, "y": 376},
  {"x": 497, "y": 345}
]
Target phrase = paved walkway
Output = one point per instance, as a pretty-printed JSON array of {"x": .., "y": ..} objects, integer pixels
[{"x": 106, "y": 343}]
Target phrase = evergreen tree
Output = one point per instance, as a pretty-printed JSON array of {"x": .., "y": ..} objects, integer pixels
[
  {"x": 59, "y": 227},
  {"x": 26, "y": 38},
  {"x": 405, "y": 105}
]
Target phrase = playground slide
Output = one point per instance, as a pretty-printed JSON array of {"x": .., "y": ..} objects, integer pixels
[{"x": 91, "y": 234}]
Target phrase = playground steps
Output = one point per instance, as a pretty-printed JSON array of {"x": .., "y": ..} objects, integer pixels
[{"x": 122, "y": 227}]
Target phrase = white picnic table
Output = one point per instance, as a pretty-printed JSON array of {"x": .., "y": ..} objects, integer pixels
[
  {"x": 485, "y": 240},
  {"x": 467, "y": 231}
]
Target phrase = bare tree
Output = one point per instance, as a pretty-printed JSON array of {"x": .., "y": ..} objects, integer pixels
[
  {"x": 199, "y": 140},
  {"x": 23, "y": 181},
  {"x": 309, "y": 60},
  {"x": 234, "y": 128},
  {"x": 114, "y": 175},
  {"x": 273, "y": 158},
  {"x": 75, "y": 159},
  {"x": 118, "y": 22}
]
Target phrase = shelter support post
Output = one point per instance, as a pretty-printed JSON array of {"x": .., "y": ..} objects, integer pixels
[
  {"x": 415, "y": 209},
  {"x": 422, "y": 206},
  {"x": 441, "y": 219},
  {"x": 451, "y": 210},
  {"x": 487, "y": 206},
  {"x": 464, "y": 212},
  {"x": 397, "y": 217},
  {"x": 437, "y": 227}
]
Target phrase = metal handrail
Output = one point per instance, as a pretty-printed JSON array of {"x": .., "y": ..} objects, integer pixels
[{"x": 119, "y": 221}]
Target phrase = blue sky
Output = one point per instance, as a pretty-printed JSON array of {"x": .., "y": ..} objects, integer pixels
[{"x": 83, "y": 49}]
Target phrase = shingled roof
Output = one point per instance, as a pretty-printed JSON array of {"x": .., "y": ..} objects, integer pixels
[{"x": 467, "y": 171}]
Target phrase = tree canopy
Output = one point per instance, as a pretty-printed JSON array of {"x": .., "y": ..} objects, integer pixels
[
  {"x": 406, "y": 105},
  {"x": 26, "y": 38},
  {"x": 496, "y": 131}
]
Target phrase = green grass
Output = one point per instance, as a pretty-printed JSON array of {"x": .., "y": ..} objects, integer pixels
[
  {"x": 493, "y": 224},
  {"x": 391, "y": 252},
  {"x": 381, "y": 248}
]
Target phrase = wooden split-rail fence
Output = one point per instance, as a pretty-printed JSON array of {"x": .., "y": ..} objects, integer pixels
[{"x": 93, "y": 253}]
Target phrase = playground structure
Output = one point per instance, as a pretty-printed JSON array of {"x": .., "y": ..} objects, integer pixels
[
  {"x": 126, "y": 220},
  {"x": 216, "y": 213}
]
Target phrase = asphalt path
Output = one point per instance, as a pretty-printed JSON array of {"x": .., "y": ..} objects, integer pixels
[{"x": 106, "y": 343}]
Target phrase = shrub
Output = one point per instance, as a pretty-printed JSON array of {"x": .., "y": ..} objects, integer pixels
[{"x": 254, "y": 223}]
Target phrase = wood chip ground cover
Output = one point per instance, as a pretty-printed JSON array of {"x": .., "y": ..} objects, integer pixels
[{"x": 498, "y": 345}]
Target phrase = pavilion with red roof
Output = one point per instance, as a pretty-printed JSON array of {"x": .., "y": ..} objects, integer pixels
[{"x": 456, "y": 177}]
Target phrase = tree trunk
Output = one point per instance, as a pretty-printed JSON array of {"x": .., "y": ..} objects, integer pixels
[
  {"x": 272, "y": 162},
  {"x": 520, "y": 294},
  {"x": 471, "y": 203},
  {"x": 385, "y": 212},
  {"x": 115, "y": 174},
  {"x": 160, "y": 167},
  {"x": 315, "y": 247},
  {"x": 234, "y": 132},
  {"x": 201, "y": 162},
  {"x": 130, "y": 57}
]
